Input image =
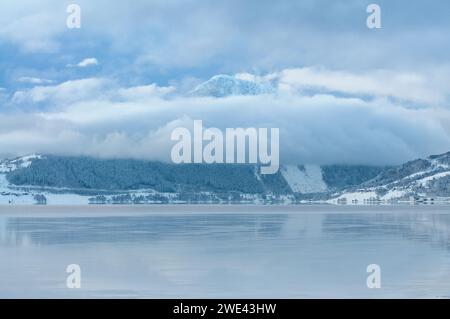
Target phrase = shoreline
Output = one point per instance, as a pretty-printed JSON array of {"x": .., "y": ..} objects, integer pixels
[{"x": 182, "y": 209}]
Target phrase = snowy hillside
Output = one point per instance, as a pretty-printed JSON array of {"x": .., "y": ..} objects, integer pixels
[
  {"x": 52, "y": 180},
  {"x": 20, "y": 162},
  {"x": 421, "y": 180},
  {"x": 12, "y": 195},
  {"x": 306, "y": 179}
]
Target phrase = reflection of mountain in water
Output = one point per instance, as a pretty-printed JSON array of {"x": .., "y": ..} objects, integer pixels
[
  {"x": 74, "y": 230},
  {"x": 429, "y": 228}
]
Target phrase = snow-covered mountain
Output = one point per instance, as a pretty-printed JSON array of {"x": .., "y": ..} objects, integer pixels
[
  {"x": 47, "y": 179},
  {"x": 225, "y": 85}
]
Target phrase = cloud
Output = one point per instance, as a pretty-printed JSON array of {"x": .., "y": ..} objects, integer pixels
[
  {"x": 143, "y": 92},
  {"x": 333, "y": 123},
  {"x": 102, "y": 119},
  {"x": 227, "y": 37},
  {"x": 33, "y": 80},
  {"x": 61, "y": 94},
  {"x": 346, "y": 94},
  {"x": 85, "y": 63},
  {"x": 87, "y": 90},
  {"x": 408, "y": 86},
  {"x": 257, "y": 78},
  {"x": 33, "y": 29}
]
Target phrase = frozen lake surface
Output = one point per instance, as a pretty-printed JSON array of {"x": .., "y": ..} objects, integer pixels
[{"x": 221, "y": 252}]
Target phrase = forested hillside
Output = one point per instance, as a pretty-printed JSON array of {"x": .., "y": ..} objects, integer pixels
[{"x": 120, "y": 174}]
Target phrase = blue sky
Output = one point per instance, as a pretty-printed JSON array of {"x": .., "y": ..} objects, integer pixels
[
  {"x": 396, "y": 77},
  {"x": 163, "y": 41}
]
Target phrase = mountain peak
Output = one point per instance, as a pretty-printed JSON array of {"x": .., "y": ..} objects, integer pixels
[{"x": 226, "y": 85}]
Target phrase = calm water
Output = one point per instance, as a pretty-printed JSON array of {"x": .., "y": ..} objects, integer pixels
[{"x": 297, "y": 253}]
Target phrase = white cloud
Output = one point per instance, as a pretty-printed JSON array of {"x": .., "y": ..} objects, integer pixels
[
  {"x": 144, "y": 92},
  {"x": 33, "y": 80},
  {"x": 98, "y": 117},
  {"x": 89, "y": 90},
  {"x": 256, "y": 78},
  {"x": 408, "y": 86},
  {"x": 63, "y": 94},
  {"x": 32, "y": 29},
  {"x": 319, "y": 129},
  {"x": 234, "y": 34},
  {"x": 87, "y": 62},
  {"x": 84, "y": 63}
]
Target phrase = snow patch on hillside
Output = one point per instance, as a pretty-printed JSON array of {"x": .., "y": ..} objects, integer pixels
[
  {"x": 17, "y": 163},
  {"x": 394, "y": 194},
  {"x": 425, "y": 181},
  {"x": 13, "y": 195},
  {"x": 306, "y": 181}
]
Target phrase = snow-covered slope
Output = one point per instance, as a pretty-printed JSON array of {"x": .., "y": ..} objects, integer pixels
[
  {"x": 13, "y": 195},
  {"x": 226, "y": 85},
  {"x": 19, "y": 162},
  {"x": 419, "y": 180},
  {"x": 305, "y": 180}
]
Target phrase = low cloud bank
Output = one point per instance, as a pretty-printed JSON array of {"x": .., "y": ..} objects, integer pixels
[{"x": 95, "y": 117}]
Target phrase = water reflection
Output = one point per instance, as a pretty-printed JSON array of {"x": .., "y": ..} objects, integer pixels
[
  {"x": 227, "y": 255},
  {"x": 140, "y": 229},
  {"x": 433, "y": 229}
]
